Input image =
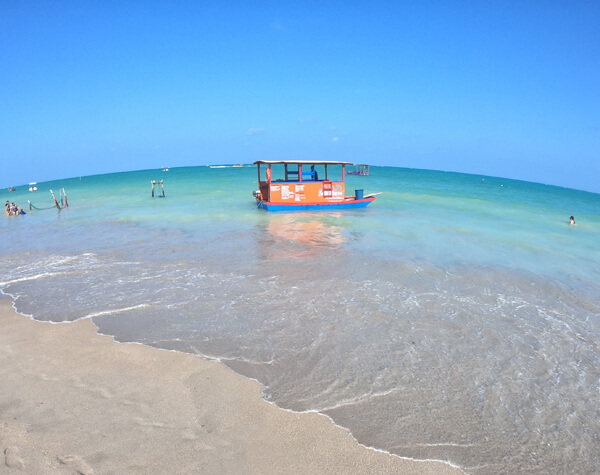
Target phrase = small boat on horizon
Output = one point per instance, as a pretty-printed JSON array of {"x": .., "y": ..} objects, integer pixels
[
  {"x": 11, "y": 188},
  {"x": 361, "y": 170},
  {"x": 33, "y": 186},
  {"x": 288, "y": 185}
]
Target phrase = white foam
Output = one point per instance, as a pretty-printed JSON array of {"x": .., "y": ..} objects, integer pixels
[{"x": 112, "y": 311}]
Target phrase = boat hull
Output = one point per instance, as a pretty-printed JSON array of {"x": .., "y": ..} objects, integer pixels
[{"x": 346, "y": 204}]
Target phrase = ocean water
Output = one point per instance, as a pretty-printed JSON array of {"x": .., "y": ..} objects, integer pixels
[{"x": 457, "y": 318}]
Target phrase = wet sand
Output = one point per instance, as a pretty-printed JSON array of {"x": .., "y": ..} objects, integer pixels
[{"x": 73, "y": 401}]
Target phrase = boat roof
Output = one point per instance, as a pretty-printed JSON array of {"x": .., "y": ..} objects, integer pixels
[{"x": 302, "y": 162}]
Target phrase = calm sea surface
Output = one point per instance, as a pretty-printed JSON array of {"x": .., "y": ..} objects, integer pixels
[{"x": 456, "y": 318}]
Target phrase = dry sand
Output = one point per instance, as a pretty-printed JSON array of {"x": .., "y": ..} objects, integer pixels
[{"x": 73, "y": 401}]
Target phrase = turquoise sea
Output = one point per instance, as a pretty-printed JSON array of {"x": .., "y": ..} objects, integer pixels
[{"x": 456, "y": 318}]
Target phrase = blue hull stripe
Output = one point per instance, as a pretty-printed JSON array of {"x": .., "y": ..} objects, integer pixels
[{"x": 322, "y": 206}]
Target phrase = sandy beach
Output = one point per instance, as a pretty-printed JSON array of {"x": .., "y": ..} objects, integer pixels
[{"x": 73, "y": 401}]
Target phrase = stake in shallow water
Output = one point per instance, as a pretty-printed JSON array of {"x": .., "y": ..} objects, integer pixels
[
  {"x": 63, "y": 201},
  {"x": 161, "y": 185}
]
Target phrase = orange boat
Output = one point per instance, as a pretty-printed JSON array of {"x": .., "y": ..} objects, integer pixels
[{"x": 287, "y": 185}]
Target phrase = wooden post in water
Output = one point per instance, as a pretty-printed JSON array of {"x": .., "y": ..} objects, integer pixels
[
  {"x": 161, "y": 185},
  {"x": 54, "y": 198},
  {"x": 63, "y": 198}
]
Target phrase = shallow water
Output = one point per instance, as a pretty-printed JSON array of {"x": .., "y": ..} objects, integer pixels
[{"x": 456, "y": 318}]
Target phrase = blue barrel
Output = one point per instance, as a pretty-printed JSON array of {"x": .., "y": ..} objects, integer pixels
[{"x": 358, "y": 194}]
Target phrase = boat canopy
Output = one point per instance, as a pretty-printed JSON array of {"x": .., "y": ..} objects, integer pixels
[{"x": 301, "y": 162}]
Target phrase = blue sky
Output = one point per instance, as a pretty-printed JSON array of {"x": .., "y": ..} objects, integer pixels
[{"x": 501, "y": 88}]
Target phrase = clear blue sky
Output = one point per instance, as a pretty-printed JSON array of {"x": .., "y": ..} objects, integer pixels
[{"x": 502, "y": 88}]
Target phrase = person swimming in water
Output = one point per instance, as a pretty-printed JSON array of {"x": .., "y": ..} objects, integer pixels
[
  {"x": 571, "y": 220},
  {"x": 12, "y": 209}
]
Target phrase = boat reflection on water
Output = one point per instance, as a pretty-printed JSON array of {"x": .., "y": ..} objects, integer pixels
[{"x": 301, "y": 236}]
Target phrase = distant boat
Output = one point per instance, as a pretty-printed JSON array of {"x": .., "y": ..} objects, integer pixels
[
  {"x": 362, "y": 170},
  {"x": 165, "y": 169},
  {"x": 11, "y": 188},
  {"x": 32, "y": 186}
]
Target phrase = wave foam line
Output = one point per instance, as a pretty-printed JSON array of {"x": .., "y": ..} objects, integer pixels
[
  {"x": 375, "y": 449},
  {"x": 355, "y": 400},
  {"x": 113, "y": 311},
  {"x": 31, "y": 277}
]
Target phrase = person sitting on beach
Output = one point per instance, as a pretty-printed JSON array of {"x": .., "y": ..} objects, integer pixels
[{"x": 572, "y": 220}]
